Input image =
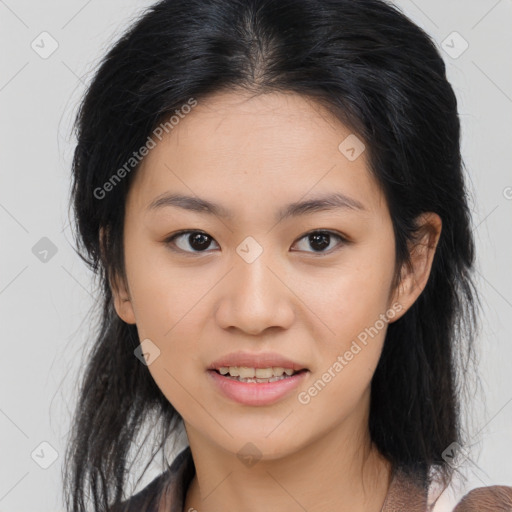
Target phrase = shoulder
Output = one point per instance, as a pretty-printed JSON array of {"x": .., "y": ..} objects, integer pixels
[
  {"x": 173, "y": 483},
  {"x": 496, "y": 498},
  {"x": 409, "y": 492}
]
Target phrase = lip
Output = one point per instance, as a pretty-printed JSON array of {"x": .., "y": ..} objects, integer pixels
[
  {"x": 256, "y": 393},
  {"x": 256, "y": 360}
]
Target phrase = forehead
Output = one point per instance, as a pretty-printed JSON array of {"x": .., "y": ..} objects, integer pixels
[{"x": 255, "y": 148}]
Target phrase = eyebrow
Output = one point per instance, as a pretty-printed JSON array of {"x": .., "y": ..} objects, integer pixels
[{"x": 196, "y": 204}]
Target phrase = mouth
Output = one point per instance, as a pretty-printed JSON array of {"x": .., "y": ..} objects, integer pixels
[
  {"x": 257, "y": 375},
  {"x": 256, "y": 386}
]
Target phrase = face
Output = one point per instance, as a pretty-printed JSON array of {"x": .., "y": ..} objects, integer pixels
[{"x": 202, "y": 284}]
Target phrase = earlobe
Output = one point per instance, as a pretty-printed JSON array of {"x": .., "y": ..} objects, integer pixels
[
  {"x": 414, "y": 276},
  {"x": 121, "y": 296},
  {"x": 123, "y": 304}
]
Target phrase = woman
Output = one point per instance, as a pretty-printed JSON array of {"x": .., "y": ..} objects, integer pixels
[{"x": 271, "y": 193}]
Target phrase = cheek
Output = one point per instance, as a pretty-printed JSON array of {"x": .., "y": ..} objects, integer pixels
[
  {"x": 348, "y": 358},
  {"x": 355, "y": 307},
  {"x": 353, "y": 295},
  {"x": 162, "y": 294},
  {"x": 170, "y": 305}
]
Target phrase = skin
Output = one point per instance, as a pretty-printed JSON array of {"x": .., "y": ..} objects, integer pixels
[{"x": 253, "y": 155}]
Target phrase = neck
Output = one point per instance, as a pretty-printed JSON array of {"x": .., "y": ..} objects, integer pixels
[{"x": 335, "y": 472}]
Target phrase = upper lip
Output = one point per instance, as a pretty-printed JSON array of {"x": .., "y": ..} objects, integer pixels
[{"x": 256, "y": 360}]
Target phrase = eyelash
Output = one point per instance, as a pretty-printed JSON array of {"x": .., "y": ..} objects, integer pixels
[{"x": 170, "y": 240}]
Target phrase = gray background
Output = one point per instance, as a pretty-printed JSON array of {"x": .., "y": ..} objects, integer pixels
[{"x": 44, "y": 304}]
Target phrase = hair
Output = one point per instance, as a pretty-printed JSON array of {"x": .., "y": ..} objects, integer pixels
[{"x": 379, "y": 74}]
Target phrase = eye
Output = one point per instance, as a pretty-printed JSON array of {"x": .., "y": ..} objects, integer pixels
[
  {"x": 319, "y": 240},
  {"x": 198, "y": 240}
]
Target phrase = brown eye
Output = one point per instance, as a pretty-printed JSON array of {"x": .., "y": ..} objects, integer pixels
[
  {"x": 198, "y": 241},
  {"x": 320, "y": 240},
  {"x": 191, "y": 241}
]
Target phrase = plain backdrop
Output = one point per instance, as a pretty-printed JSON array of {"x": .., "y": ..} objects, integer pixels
[{"x": 46, "y": 291}]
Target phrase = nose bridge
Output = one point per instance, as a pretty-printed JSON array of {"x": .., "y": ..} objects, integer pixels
[
  {"x": 255, "y": 298},
  {"x": 255, "y": 277}
]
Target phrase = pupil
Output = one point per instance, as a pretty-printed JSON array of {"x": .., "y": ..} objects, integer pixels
[
  {"x": 319, "y": 239},
  {"x": 199, "y": 241}
]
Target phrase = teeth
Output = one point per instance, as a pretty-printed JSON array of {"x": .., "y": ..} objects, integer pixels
[
  {"x": 243, "y": 372},
  {"x": 265, "y": 373},
  {"x": 272, "y": 379},
  {"x": 260, "y": 373}
]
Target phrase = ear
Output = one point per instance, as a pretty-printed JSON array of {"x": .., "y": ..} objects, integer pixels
[
  {"x": 414, "y": 276},
  {"x": 120, "y": 291}
]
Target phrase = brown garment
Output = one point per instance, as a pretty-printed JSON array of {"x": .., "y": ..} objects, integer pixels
[
  {"x": 497, "y": 498},
  {"x": 405, "y": 494}
]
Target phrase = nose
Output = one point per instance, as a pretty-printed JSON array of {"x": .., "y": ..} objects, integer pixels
[{"x": 255, "y": 297}]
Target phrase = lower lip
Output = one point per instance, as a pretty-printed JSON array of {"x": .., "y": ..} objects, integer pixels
[{"x": 256, "y": 393}]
